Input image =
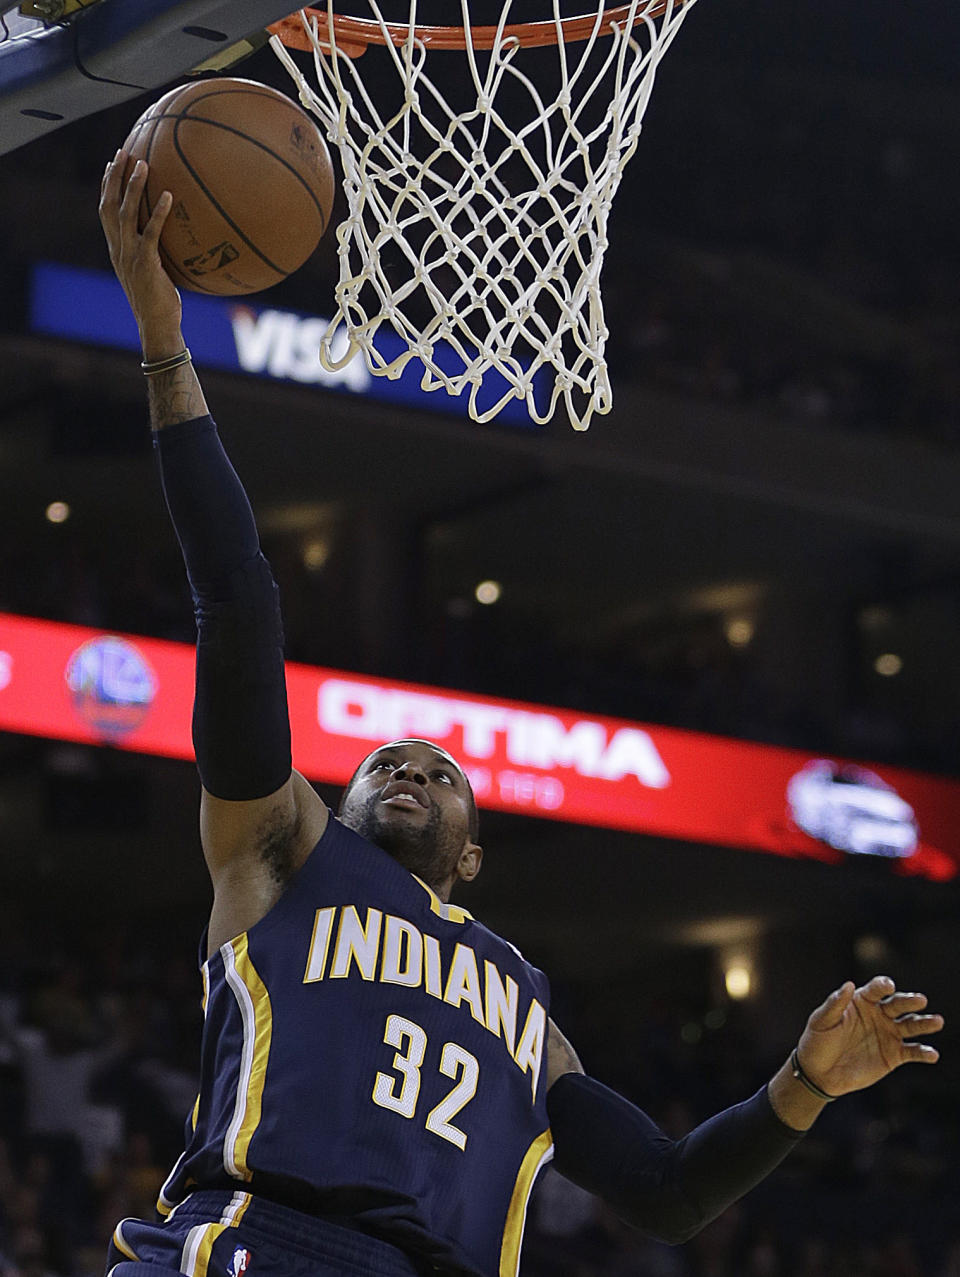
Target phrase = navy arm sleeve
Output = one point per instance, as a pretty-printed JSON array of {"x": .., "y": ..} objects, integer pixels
[
  {"x": 669, "y": 1188},
  {"x": 241, "y": 725}
]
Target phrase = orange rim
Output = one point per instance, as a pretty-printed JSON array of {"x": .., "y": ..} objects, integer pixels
[{"x": 354, "y": 34}]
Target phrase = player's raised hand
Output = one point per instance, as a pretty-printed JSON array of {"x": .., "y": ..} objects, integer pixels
[
  {"x": 134, "y": 255},
  {"x": 858, "y": 1036}
]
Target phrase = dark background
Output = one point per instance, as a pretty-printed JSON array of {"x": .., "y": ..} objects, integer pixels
[{"x": 783, "y": 448}]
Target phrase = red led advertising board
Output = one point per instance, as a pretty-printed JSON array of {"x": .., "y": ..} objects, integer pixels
[{"x": 72, "y": 683}]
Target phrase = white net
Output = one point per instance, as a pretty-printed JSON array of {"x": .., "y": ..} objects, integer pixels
[{"x": 478, "y": 199}]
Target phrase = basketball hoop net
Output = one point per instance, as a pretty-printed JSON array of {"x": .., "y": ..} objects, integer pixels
[{"x": 478, "y": 195}]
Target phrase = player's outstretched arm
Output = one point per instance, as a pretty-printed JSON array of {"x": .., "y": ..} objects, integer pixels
[
  {"x": 175, "y": 395},
  {"x": 251, "y": 797},
  {"x": 673, "y": 1188}
]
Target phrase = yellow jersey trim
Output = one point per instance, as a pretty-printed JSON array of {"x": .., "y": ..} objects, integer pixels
[
  {"x": 164, "y": 1205},
  {"x": 121, "y": 1245},
  {"x": 449, "y": 913},
  {"x": 257, "y": 1016},
  {"x": 205, "y": 977},
  {"x": 537, "y": 1155},
  {"x": 207, "y": 1238}
]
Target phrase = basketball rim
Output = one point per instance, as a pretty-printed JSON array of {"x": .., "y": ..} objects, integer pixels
[{"x": 354, "y": 35}]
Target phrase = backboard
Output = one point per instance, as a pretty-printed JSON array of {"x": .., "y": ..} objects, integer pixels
[{"x": 111, "y": 51}]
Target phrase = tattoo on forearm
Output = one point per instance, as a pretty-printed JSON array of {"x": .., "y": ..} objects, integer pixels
[{"x": 175, "y": 396}]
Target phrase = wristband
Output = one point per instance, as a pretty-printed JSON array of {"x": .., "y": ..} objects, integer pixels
[
  {"x": 801, "y": 1077},
  {"x": 167, "y": 365}
]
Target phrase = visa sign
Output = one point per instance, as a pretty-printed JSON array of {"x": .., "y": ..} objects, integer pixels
[{"x": 282, "y": 344}]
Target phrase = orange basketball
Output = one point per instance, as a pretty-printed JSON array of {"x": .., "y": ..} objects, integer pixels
[{"x": 251, "y": 180}]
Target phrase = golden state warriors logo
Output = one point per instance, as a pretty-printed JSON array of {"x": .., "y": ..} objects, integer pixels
[{"x": 111, "y": 685}]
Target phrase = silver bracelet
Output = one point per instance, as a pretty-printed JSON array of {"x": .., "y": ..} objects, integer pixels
[
  {"x": 801, "y": 1077},
  {"x": 167, "y": 365}
]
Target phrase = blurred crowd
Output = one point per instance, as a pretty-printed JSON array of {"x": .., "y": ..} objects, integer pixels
[
  {"x": 97, "y": 1063},
  {"x": 99, "y": 1040},
  {"x": 790, "y": 250},
  {"x": 741, "y": 359}
]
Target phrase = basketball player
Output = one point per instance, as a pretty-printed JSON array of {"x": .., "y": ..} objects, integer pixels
[{"x": 380, "y": 1078}]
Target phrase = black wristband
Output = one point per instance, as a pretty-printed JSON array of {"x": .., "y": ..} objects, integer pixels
[{"x": 798, "y": 1073}]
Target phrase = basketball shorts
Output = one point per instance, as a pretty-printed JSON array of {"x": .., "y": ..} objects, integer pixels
[{"x": 223, "y": 1234}]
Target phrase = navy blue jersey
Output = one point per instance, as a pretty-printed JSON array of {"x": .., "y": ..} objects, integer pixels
[{"x": 374, "y": 1054}]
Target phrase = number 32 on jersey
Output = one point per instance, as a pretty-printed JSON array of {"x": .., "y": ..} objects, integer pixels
[{"x": 455, "y": 1063}]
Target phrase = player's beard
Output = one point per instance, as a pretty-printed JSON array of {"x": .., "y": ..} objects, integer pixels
[{"x": 424, "y": 847}]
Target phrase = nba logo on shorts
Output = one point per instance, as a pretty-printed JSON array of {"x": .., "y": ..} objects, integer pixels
[{"x": 239, "y": 1263}]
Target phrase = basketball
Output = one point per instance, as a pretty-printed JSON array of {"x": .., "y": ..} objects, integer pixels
[{"x": 251, "y": 180}]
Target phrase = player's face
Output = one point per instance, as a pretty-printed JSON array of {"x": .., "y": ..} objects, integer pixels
[{"x": 412, "y": 800}]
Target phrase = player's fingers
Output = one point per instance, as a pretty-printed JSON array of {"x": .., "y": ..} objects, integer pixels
[
  {"x": 136, "y": 176},
  {"x": 830, "y": 1012},
  {"x": 898, "y": 1004},
  {"x": 875, "y": 990},
  {"x": 110, "y": 189},
  {"x": 919, "y": 1053},
  {"x": 913, "y": 1025},
  {"x": 113, "y": 170},
  {"x": 154, "y": 227}
]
